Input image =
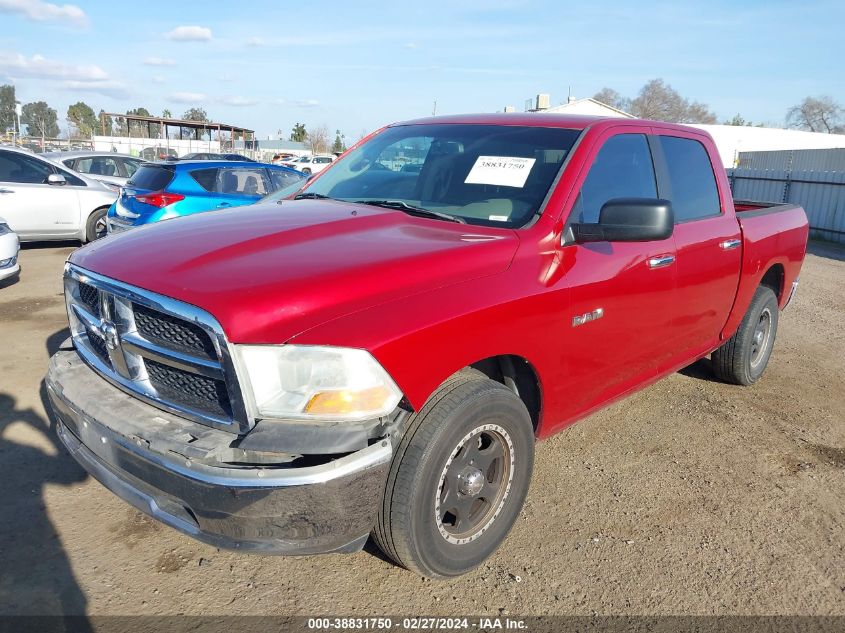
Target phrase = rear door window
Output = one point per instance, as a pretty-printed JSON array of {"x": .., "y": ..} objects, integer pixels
[
  {"x": 98, "y": 166},
  {"x": 151, "y": 177},
  {"x": 245, "y": 181},
  {"x": 692, "y": 185},
  {"x": 622, "y": 169}
]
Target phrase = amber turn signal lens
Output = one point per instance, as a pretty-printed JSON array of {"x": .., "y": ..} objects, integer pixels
[{"x": 345, "y": 401}]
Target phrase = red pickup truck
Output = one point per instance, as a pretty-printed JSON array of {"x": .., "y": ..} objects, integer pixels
[{"x": 379, "y": 353}]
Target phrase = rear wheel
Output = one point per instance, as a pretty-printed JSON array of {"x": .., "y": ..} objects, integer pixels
[
  {"x": 96, "y": 226},
  {"x": 306, "y": 171},
  {"x": 459, "y": 478},
  {"x": 744, "y": 357}
]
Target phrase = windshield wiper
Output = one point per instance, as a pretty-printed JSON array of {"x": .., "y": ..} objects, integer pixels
[
  {"x": 399, "y": 205},
  {"x": 311, "y": 196}
]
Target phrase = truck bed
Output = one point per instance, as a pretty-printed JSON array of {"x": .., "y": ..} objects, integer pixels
[{"x": 774, "y": 235}]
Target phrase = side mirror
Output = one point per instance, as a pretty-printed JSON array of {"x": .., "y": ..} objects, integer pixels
[
  {"x": 56, "y": 179},
  {"x": 628, "y": 220}
]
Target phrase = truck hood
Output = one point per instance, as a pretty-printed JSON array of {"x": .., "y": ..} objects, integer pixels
[{"x": 270, "y": 271}]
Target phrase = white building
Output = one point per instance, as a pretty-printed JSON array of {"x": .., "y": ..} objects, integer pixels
[
  {"x": 730, "y": 139},
  {"x": 588, "y": 106},
  {"x": 733, "y": 139}
]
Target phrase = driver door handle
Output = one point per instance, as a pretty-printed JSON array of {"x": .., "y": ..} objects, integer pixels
[
  {"x": 728, "y": 245},
  {"x": 661, "y": 261}
]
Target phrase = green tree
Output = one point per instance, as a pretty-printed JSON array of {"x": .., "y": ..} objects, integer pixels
[
  {"x": 299, "y": 133},
  {"x": 739, "y": 121},
  {"x": 195, "y": 114},
  {"x": 165, "y": 114},
  {"x": 338, "y": 145},
  {"x": 7, "y": 107},
  {"x": 82, "y": 117},
  {"x": 40, "y": 120}
]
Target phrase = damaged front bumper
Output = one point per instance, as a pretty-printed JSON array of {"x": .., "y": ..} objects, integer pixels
[{"x": 171, "y": 469}]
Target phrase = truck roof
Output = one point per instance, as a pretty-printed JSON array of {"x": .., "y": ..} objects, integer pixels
[{"x": 541, "y": 119}]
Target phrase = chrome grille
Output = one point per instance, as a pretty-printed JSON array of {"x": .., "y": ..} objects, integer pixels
[
  {"x": 169, "y": 353},
  {"x": 172, "y": 331}
]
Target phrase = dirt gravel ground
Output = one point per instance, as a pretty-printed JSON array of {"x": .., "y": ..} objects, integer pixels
[{"x": 691, "y": 497}]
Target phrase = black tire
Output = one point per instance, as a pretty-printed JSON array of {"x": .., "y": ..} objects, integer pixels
[
  {"x": 743, "y": 357},
  {"x": 306, "y": 171},
  {"x": 95, "y": 228},
  {"x": 468, "y": 415}
]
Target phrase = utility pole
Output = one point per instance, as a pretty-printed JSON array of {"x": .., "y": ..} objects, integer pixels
[
  {"x": 16, "y": 124},
  {"x": 434, "y": 109}
]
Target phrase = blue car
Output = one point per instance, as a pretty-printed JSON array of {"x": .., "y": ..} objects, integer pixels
[{"x": 161, "y": 191}]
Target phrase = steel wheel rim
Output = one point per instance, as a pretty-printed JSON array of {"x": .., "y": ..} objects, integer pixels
[
  {"x": 100, "y": 228},
  {"x": 762, "y": 334},
  {"x": 474, "y": 484}
]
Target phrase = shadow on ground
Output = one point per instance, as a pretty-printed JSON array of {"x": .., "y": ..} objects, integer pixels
[
  {"x": 36, "y": 576},
  {"x": 830, "y": 250}
]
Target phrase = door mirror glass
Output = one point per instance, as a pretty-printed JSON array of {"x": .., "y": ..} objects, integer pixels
[
  {"x": 56, "y": 179},
  {"x": 627, "y": 220}
]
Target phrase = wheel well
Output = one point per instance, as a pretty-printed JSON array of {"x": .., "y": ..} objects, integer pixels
[
  {"x": 774, "y": 280},
  {"x": 517, "y": 374}
]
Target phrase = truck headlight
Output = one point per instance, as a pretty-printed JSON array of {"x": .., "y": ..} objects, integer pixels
[{"x": 311, "y": 382}]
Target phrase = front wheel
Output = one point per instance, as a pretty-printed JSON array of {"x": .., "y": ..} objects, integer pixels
[
  {"x": 743, "y": 357},
  {"x": 459, "y": 478},
  {"x": 96, "y": 226}
]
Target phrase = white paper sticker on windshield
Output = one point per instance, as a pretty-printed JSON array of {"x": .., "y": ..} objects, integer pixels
[{"x": 507, "y": 171}]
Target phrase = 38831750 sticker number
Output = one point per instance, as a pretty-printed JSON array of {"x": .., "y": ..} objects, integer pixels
[{"x": 507, "y": 171}]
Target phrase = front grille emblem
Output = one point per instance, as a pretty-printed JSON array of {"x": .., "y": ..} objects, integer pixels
[{"x": 109, "y": 334}]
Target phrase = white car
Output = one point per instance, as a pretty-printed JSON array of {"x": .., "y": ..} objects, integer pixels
[
  {"x": 108, "y": 167},
  {"x": 42, "y": 200},
  {"x": 310, "y": 164},
  {"x": 9, "y": 247}
]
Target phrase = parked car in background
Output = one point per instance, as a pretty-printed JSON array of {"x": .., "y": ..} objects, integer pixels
[
  {"x": 311, "y": 164},
  {"x": 109, "y": 168},
  {"x": 282, "y": 158},
  {"x": 159, "y": 153},
  {"x": 42, "y": 200},
  {"x": 161, "y": 191},
  {"x": 9, "y": 247},
  {"x": 213, "y": 156}
]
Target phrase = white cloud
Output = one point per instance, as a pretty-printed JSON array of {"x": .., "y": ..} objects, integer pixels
[
  {"x": 411, "y": 45},
  {"x": 158, "y": 79},
  {"x": 238, "y": 101},
  {"x": 296, "y": 103},
  {"x": 255, "y": 41},
  {"x": 40, "y": 11},
  {"x": 188, "y": 34},
  {"x": 188, "y": 97},
  {"x": 159, "y": 61},
  {"x": 37, "y": 66},
  {"x": 108, "y": 88}
]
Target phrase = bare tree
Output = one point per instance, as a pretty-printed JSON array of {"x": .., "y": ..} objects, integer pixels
[
  {"x": 817, "y": 114},
  {"x": 658, "y": 100},
  {"x": 318, "y": 139},
  {"x": 609, "y": 96}
]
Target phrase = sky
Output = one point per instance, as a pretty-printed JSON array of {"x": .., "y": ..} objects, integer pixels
[{"x": 355, "y": 66}]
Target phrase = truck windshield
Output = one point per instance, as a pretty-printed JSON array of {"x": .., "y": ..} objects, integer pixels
[{"x": 491, "y": 175}]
